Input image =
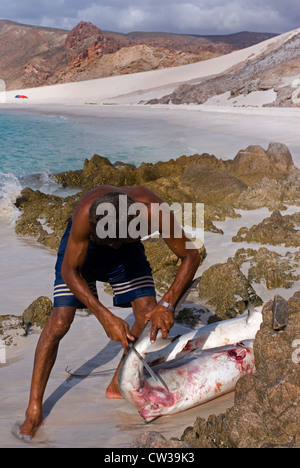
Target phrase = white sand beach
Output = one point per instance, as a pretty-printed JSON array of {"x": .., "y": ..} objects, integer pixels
[{"x": 77, "y": 412}]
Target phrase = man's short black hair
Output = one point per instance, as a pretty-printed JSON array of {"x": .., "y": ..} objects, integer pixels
[{"x": 122, "y": 216}]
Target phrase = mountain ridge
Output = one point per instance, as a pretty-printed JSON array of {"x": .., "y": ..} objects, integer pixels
[{"x": 32, "y": 56}]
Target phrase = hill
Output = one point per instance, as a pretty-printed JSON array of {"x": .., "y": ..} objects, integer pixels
[
  {"x": 271, "y": 78},
  {"x": 32, "y": 56}
]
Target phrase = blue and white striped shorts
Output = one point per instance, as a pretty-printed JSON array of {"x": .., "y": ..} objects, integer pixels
[{"x": 126, "y": 269}]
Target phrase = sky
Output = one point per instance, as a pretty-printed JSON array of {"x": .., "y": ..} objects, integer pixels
[{"x": 185, "y": 17}]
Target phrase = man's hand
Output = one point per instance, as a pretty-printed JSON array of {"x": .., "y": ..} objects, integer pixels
[
  {"x": 118, "y": 330},
  {"x": 162, "y": 319}
]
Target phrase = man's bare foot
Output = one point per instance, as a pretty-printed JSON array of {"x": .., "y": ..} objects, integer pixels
[
  {"x": 29, "y": 427},
  {"x": 113, "y": 392}
]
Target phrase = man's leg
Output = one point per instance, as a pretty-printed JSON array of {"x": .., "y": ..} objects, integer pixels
[
  {"x": 140, "y": 307},
  {"x": 45, "y": 356}
]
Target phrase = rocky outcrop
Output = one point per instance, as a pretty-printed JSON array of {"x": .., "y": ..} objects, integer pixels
[
  {"x": 254, "y": 162},
  {"x": 269, "y": 268},
  {"x": 255, "y": 178},
  {"x": 275, "y": 230},
  {"x": 44, "y": 216},
  {"x": 86, "y": 34},
  {"x": 37, "y": 314},
  {"x": 142, "y": 58},
  {"x": 247, "y": 174},
  {"x": 266, "y": 411},
  {"x": 225, "y": 291}
]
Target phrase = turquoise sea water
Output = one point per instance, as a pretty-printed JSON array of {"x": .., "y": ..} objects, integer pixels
[
  {"x": 32, "y": 143},
  {"x": 32, "y": 146}
]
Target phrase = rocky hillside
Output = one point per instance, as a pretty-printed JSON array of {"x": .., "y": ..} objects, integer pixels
[
  {"x": 273, "y": 77},
  {"x": 91, "y": 64},
  {"x": 33, "y": 56}
]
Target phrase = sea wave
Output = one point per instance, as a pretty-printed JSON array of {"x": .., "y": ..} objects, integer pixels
[
  {"x": 10, "y": 189},
  {"x": 46, "y": 183}
]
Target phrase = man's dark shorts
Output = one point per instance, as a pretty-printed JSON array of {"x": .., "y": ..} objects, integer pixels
[{"x": 126, "y": 269}]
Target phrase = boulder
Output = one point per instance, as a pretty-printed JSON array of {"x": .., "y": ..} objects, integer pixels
[
  {"x": 280, "y": 157},
  {"x": 38, "y": 312},
  {"x": 254, "y": 163},
  {"x": 225, "y": 290},
  {"x": 251, "y": 163}
]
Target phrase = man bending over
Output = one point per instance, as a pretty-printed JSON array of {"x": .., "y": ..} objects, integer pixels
[{"x": 98, "y": 247}]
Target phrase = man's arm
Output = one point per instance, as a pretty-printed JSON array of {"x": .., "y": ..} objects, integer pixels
[
  {"x": 76, "y": 251},
  {"x": 190, "y": 261},
  {"x": 161, "y": 317}
]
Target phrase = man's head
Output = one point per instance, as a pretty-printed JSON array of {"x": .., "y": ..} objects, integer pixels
[{"x": 109, "y": 219}]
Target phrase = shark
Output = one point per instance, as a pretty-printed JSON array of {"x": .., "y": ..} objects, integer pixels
[{"x": 188, "y": 370}]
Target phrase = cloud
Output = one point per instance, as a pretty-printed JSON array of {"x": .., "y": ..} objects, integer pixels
[{"x": 190, "y": 16}]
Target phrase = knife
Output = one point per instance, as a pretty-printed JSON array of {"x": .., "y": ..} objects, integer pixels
[{"x": 156, "y": 377}]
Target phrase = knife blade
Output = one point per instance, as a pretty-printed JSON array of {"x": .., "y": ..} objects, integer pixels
[{"x": 156, "y": 377}]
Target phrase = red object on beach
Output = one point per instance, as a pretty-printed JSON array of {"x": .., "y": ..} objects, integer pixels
[{"x": 21, "y": 96}]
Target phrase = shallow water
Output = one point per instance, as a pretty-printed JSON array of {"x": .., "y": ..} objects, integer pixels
[
  {"x": 27, "y": 271},
  {"x": 33, "y": 143}
]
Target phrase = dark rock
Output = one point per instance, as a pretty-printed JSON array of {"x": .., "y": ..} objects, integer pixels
[
  {"x": 280, "y": 313},
  {"x": 38, "y": 312}
]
